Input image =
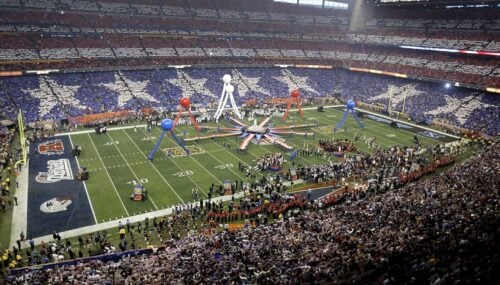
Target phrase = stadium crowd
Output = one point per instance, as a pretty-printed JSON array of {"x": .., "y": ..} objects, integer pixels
[
  {"x": 271, "y": 162},
  {"x": 442, "y": 230},
  {"x": 34, "y": 38},
  {"x": 8, "y": 155},
  {"x": 402, "y": 227},
  {"x": 424, "y": 101}
]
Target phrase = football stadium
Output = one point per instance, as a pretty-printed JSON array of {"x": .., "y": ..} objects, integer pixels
[{"x": 249, "y": 142}]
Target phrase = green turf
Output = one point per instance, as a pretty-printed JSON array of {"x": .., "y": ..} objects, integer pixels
[
  {"x": 6, "y": 217},
  {"x": 119, "y": 157}
]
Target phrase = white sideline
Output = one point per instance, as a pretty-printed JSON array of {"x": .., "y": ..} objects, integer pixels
[
  {"x": 129, "y": 167},
  {"x": 156, "y": 169},
  {"x": 91, "y": 131},
  {"x": 20, "y": 212},
  {"x": 107, "y": 173},
  {"x": 385, "y": 117},
  {"x": 113, "y": 224},
  {"x": 410, "y": 124},
  {"x": 84, "y": 185},
  {"x": 291, "y": 110}
]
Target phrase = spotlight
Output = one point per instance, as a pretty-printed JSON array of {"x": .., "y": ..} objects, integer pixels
[{"x": 447, "y": 85}]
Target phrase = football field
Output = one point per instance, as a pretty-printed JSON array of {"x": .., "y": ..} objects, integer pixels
[{"x": 117, "y": 160}]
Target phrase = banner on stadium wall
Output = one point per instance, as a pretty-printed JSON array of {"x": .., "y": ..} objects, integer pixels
[
  {"x": 10, "y": 73},
  {"x": 313, "y": 66}
]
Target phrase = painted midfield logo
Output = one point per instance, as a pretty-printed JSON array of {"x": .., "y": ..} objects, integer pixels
[
  {"x": 55, "y": 205},
  {"x": 58, "y": 170},
  {"x": 51, "y": 147}
]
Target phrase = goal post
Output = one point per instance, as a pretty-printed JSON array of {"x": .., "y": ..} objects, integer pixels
[{"x": 22, "y": 138}]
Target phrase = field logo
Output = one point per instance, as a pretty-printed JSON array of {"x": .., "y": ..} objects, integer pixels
[
  {"x": 58, "y": 170},
  {"x": 51, "y": 147},
  {"x": 55, "y": 205}
]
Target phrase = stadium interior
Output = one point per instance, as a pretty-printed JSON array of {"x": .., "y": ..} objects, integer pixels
[{"x": 354, "y": 141}]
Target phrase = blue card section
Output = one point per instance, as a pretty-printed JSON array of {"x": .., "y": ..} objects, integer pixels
[{"x": 56, "y": 200}]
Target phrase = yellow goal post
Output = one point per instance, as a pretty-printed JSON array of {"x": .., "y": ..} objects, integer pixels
[{"x": 22, "y": 138}]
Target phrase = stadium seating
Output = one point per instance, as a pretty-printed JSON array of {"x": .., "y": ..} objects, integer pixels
[
  {"x": 438, "y": 231},
  {"x": 219, "y": 30},
  {"x": 66, "y": 93}
]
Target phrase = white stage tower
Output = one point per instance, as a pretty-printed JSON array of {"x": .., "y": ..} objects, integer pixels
[{"x": 227, "y": 92}]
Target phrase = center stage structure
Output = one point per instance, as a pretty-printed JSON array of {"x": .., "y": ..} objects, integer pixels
[{"x": 255, "y": 132}]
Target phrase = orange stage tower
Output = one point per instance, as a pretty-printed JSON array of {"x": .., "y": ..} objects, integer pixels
[{"x": 294, "y": 97}]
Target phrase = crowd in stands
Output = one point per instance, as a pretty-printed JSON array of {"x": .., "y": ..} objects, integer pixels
[
  {"x": 204, "y": 35},
  {"x": 436, "y": 20},
  {"x": 441, "y": 230},
  {"x": 8, "y": 156},
  {"x": 9, "y": 110},
  {"x": 61, "y": 96},
  {"x": 459, "y": 68}
]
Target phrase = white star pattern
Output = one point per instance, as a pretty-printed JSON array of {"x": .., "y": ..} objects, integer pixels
[
  {"x": 295, "y": 81},
  {"x": 461, "y": 108},
  {"x": 398, "y": 93},
  {"x": 239, "y": 81},
  {"x": 189, "y": 85},
  {"x": 60, "y": 94},
  {"x": 134, "y": 89}
]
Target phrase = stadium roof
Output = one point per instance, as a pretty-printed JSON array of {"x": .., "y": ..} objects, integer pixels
[
  {"x": 471, "y": 3},
  {"x": 335, "y": 4}
]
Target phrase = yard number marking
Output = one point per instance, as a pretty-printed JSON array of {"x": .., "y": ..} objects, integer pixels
[
  {"x": 112, "y": 143},
  {"x": 142, "y": 180},
  {"x": 183, "y": 173},
  {"x": 149, "y": 139},
  {"x": 224, "y": 166}
]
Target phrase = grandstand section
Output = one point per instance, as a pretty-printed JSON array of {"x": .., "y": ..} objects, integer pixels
[{"x": 212, "y": 142}]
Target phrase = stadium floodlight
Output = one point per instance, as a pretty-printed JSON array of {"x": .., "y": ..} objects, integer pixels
[{"x": 447, "y": 85}]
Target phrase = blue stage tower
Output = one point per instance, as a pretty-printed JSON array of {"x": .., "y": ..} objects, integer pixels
[
  {"x": 350, "y": 109},
  {"x": 167, "y": 126}
]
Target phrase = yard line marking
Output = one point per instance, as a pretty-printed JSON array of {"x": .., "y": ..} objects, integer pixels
[
  {"x": 302, "y": 139},
  {"x": 133, "y": 172},
  {"x": 369, "y": 131},
  {"x": 224, "y": 149},
  {"x": 156, "y": 169},
  {"x": 197, "y": 163},
  {"x": 295, "y": 146},
  {"x": 205, "y": 169},
  {"x": 223, "y": 163},
  {"x": 396, "y": 140},
  {"x": 84, "y": 184},
  {"x": 107, "y": 173},
  {"x": 220, "y": 147},
  {"x": 181, "y": 169}
]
